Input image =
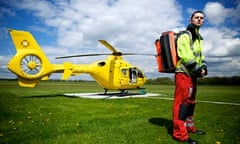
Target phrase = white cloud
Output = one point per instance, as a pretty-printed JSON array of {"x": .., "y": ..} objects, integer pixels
[
  {"x": 130, "y": 26},
  {"x": 217, "y": 14},
  {"x": 222, "y": 39},
  {"x": 42, "y": 9},
  {"x": 221, "y": 47},
  {"x": 82, "y": 23},
  {"x": 220, "y": 42}
]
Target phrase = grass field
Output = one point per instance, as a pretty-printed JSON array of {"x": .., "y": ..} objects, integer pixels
[{"x": 44, "y": 115}]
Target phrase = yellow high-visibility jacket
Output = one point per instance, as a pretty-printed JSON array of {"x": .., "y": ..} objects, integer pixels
[{"x": 190, "y": 54}]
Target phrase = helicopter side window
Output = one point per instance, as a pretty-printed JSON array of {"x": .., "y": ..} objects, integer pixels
[
  {"x": 140, "y": 74},
  {"x": 101, "y": 63},
  {"x": 133, "y": 75}
]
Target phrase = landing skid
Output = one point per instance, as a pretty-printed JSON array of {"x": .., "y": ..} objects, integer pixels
[{"x": 124, "y": 92}]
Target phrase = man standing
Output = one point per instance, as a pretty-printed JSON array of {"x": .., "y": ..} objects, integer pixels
[{"x": 191, "y": 65}]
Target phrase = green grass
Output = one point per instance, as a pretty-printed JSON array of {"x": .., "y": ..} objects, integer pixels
[{"x": 44, "y": 115}]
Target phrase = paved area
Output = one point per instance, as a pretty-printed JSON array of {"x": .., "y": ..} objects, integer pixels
[{"x": 110, "y": 95}]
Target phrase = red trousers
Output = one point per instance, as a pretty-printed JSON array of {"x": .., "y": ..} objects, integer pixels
[{"x": 183, "y": 106}]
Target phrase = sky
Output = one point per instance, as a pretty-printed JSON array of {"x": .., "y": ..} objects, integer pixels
[{"x": 70, "y": 27}]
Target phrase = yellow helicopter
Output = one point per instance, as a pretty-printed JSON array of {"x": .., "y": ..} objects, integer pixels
[{"x": 31, "y": 65}]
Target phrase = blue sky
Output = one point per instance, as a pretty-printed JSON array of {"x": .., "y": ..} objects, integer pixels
[{"x": 68, "y": 27}]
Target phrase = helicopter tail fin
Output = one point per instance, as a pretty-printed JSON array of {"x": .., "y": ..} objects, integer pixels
[{"x": 29, "y": 63}]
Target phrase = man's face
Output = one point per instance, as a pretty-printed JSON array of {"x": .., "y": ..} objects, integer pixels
[{"x": 197, "y": 19}]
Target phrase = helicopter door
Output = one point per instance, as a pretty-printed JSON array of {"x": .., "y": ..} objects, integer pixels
[{"x": 133, "y": 75}]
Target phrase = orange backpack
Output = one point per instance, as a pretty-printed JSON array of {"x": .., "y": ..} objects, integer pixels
[{"x": 166, "y": 48}]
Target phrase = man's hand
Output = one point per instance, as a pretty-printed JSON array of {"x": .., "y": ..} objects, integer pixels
[{"x": 203, "y": 72}]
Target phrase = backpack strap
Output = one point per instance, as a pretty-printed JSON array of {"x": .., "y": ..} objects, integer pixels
[{"x": 190, "y": 35}]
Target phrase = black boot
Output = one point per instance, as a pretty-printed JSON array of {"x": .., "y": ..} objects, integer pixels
[{"x": 199, "y": 132}]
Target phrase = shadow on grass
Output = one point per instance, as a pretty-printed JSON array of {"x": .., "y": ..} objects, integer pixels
[{"x": 163, "y": 123}]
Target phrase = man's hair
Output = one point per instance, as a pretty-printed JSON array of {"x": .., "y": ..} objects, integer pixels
[{"x": 198, "y": 11}]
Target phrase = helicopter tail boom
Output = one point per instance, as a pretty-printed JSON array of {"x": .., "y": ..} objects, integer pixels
[{"x": 30, "y": 64}]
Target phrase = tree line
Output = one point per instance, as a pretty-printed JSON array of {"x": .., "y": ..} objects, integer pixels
[{"x": 235, "y": 80}]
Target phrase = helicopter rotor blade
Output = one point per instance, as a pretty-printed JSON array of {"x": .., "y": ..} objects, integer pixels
[
  {"x": 110, "y": 47},
  {"x": 83, "y": 55},
  {"x": 118, "y": 53},
  {"x": 139, "y": 54}
]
